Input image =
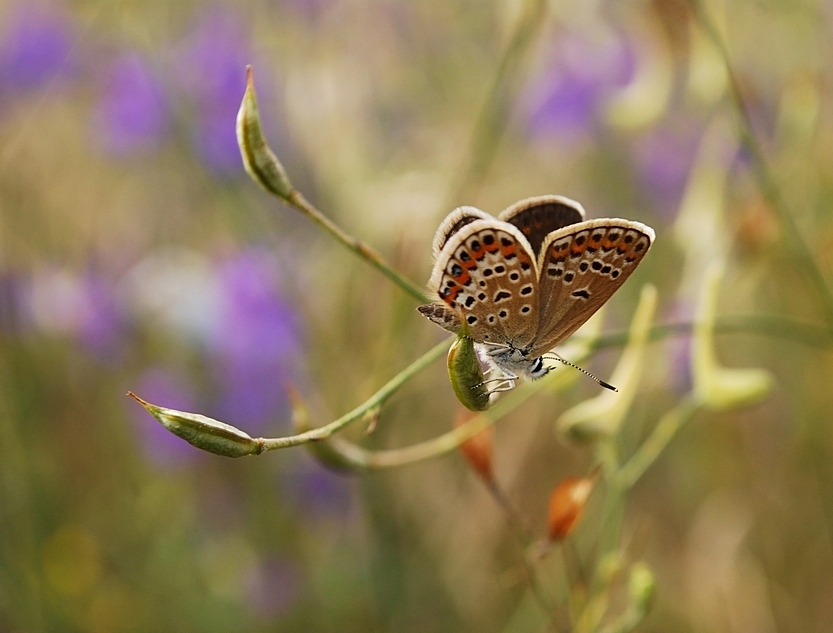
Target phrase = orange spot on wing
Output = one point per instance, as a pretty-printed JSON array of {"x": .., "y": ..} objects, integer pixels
[
  {"x": 452, "y": 295},
  {"x": 578, "y": 249},
  {"x": 468, "y": 265},
  {"x": 508, "y": 251}
]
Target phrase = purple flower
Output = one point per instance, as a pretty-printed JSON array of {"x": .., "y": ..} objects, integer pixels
[
  {"x": 35, "y": 46},
  {"x": 102, "y": 331},
  {"x": 663, "y": 158},
  {"x": 79, "y": 307},
  {"x": 213, "y": 74},
  {"x": 12, "y": 302},
  {"x": 316, "y": 490},
  {"x": 257, "y": 341},
  {"x": 163, "y": 388},
  {"x": 133, "y": 112},
  {"x": 565, "y": 99}
]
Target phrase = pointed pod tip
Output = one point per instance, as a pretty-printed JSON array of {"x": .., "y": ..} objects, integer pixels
[
  {"x": 258, "y": 159},
  {"x": 138, "y": 399}
]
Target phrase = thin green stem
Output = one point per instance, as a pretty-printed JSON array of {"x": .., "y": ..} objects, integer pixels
[
  {"x": 393, "y": 385},
  {"x": 521, "y": 532},
  {"x": 761, "y": 324},
  {"x": 361, "y": 458},
  {"x": 360, "y": 248},
  {"x": 793, "y": 240},
  {"x": 266, "y": 170},
  {"x": 665, "y": 430},
  {"x": 494, "y": 114}
]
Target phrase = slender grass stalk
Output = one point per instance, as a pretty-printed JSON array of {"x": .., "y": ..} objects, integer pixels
[
  {"x": 494, "y": 114},
  {"x": 360, "y": 248},
  {"x": 266, "y": 170},
  {"x": 794, "y": 241},
  {"x": 392, "y": 386},
  {"x": 648, "y": 452}
]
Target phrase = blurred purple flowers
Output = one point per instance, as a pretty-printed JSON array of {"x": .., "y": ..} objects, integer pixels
[
  {"x": 175, "y": 391},
  {"x": 566, "y": 98},
  {"x": 212, "y": 74},
  {"x": 133, "y": 110},
  {"x": 35, "y": 43},
  {"x": 662, "y": 160},
  {"x": 256, "y": 342},
  {"x": 231, "y": 313}
]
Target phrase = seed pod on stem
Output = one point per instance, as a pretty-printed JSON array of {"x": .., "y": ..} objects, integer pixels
[
  {"x": 567, "y": 505},
  {"x": 203, "y": 432},
  {"x": 258, "y": 159},
  {"x": 478, "y": 449}
]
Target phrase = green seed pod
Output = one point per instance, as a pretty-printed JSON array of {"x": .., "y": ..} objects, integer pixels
[
  {"x": 203, "y": 432},
  {"x": 258, "y": 159},
  {"x": 466, "y": 374}
]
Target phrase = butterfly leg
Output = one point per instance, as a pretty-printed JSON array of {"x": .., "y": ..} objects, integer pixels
[{"x": 505, "y": 383}]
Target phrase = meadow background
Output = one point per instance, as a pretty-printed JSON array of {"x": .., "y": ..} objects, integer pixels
[{"x": 136, "y": 254}]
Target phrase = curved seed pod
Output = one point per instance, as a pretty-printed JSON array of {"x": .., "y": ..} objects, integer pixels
[
  {"x": 466, "y": 374},
  {"x": 258, "y": 159},
  {"x": 203, "y": 432}
]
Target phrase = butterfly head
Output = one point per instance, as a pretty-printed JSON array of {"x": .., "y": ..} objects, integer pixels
[{"x": 514, "y": 361}]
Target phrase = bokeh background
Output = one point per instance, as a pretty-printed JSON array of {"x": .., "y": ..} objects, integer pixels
[{"x": 135, "y": 254}]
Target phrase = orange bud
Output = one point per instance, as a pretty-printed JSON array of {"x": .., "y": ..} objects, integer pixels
[
  {"x": 477, "y": 449},
  {"x": 567, "y": 503}
]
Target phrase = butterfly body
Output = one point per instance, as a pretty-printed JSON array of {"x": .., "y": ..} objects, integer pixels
[{"x": 522, "y": 283}]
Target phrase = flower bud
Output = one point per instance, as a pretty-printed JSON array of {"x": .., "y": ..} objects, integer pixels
[
  {"x": 258, "y": 159},
  {"x": 204, "y": 432},
  {"x": 466, "y": 374},
  {"x": 642, "y": 587},
  {"x": 478, "y": 449},
  {"x": 567, "y": 505}
]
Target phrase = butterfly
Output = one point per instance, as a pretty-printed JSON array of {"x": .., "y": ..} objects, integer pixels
[{"x": 522, "y": 283}]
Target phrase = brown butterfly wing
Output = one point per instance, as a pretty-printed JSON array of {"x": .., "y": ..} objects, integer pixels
[
  {"x": 581, "y": 266},
  {"x": 538, "y": 217},
  {"x": 487, "y": 274}
]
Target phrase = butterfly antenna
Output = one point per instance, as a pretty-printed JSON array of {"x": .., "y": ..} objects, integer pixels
[{"x": 604, "y": 384}]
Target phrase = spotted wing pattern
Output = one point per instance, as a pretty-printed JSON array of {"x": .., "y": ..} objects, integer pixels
[
  {"x": 443, "y": 316},
  {"x": 486, "y": 273},
  {"x": 453, "y": 222},
  {"x": 538, "y": 217},
  {"x": 581, "y": 266}
]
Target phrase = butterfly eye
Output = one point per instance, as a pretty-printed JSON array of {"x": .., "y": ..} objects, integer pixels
[{"x": 466, "y": 374}]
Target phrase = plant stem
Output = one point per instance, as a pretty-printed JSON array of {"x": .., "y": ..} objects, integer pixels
[
  {"x": 761, "y": 324},
  {"x": 793, "y": 240},
  {"x": 491, "y": 121},
  {"x": 362, "y": 458},
  {"x": 360, "y": 248},
  {"x": 516, "y": 523},
  {"x": 393, "y": 385},
  {"x": 660, "y": 437}
]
